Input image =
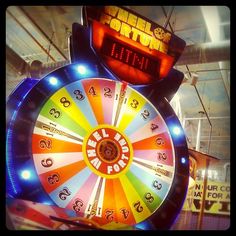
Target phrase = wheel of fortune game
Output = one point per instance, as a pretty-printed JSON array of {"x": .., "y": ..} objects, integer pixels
[{"x": 98, "y": 136}]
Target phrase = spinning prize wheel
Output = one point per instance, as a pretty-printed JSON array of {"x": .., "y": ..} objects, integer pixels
[{"x": 85, "y": 139}]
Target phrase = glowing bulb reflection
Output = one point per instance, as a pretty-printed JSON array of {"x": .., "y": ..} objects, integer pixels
[
  {"x": 25, "y": 174},
  {"x": 81, "y": 69},
  {"x": 176, "y": 130},
  {"x": 183, "y": 160},
  {"x": 53, "y": 80}
]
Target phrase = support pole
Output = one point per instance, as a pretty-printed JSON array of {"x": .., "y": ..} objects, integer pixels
[
  {"x": 183, "y": 124},
  {"x": 201, "y": 213},
  {"x": 198, "y": 135},
  {"x": 200, "y": 217},
  {"x": 208, "y": 148}
]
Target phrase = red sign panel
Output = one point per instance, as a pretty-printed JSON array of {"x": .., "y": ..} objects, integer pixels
[{"x": 134, "y": 48}]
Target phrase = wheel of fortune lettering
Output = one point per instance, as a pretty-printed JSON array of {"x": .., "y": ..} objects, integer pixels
[{"x": 104, "y": 151}]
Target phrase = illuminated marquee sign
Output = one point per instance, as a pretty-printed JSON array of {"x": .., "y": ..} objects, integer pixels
[
  {"x": 135, "y": 28},
  {"x": 134, "y": 48}
]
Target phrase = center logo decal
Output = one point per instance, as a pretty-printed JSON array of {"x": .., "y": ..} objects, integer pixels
[{"x": 107, "y": 151}]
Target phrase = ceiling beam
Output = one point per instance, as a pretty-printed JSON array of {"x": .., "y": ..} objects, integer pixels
[
  {"x": 31, "y": 35},
  {"x": 203, "y": 118},
  {"x": 42, "y": 32},
  {"x": 205, "y": 53}
]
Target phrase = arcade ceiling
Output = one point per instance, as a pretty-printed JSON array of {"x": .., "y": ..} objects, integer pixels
[{"x": 40, "y": 33}]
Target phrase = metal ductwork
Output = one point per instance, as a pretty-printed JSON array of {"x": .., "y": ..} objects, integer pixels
[
  {"x": 205, "y": 53},
  {"x": 16, "y": 61},
  {"x": 38, "y": 69},
  {"x": 193, "y": 54}
]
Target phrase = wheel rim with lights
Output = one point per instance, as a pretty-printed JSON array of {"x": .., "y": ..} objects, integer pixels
[{"x": 98, "y": 147}]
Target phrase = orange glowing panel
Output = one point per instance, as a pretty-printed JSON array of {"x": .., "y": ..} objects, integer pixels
[{"x": 129, "y": 60}]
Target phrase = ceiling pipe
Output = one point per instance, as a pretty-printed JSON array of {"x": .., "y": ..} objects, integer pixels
[
  {"x": 31, "y": 35},
  {"x": 16, "y": 61},
  {"x": 36, "y": 69},
  {"x": 212, "y": 118},
  {"x": 193, "y": 54},
  {"x": 205, "y": 53},
  {"x": 42, "y": 32},
  {"x": 41, "y": 70}
]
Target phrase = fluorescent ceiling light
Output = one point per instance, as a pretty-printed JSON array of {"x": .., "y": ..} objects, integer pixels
[{"x": 212, "y": 20}]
